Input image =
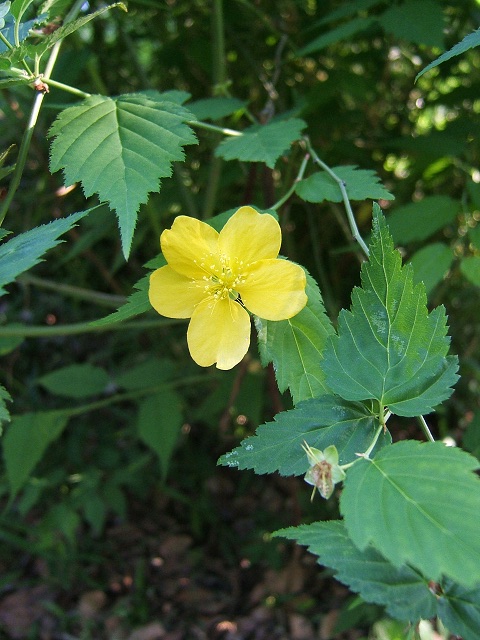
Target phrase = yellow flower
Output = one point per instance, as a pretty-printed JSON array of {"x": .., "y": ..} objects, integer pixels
[{"x": 214, "y": 277}]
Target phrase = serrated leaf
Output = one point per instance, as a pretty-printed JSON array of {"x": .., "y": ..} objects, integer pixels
[
  {"x": 16, "y": 54},
  {"x": 120, "y": 148},
  {"x": 403, "y": 591},
  {"x": 320, "y": 422},
  {"x": 160, "y": 418},
  {"x": 471, "y": 40},
  {"x": 360, "y": 184},
  {"x": 215, "y": 108},
  {"x": 419, "y": 220},
  {"x": 405, "y": 21},
  {"x": 470, "y": 267},
  {"x": 418, "y": 503},
  {"x": 343, "y": 32},
  {"x": 24, "y": 251},
  {"x": 262, "y": 143},
  {"x": 295, "y": 346},
  {"x": 459, "y": 609},
  {"x": 70, "y": 27},
  {"x": 431, "y": 263},
  {"x": 76, "y": 381},
  {"x": 388, "y": 347},
  {"x": 25, "y": 442}
]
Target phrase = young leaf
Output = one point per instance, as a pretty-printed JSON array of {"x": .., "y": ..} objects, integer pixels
[
  {"x": 388, "y": 347},
  {"x": 24, "y": 251},
  {"x": 418, "y": 503},
  {"x": 262, "y": 143},
  {"x": 76, "y": 381},
  {"x": 470, "y": 41},
  {"x": 360, "y": 184},
  {"x": 25, "y": 442},
  {"x": 119, "y": 148},
  {"x": 320, "y": 422},
  {"x": 295, "y": 347},
  {"x": 160, "y": 418},
  {"x": 403, "y": 591}
]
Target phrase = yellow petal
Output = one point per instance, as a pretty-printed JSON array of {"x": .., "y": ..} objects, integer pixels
[
  {"x": 219, "y": 332},
  {"x": 274, "y": 289},
  {"x": 174, "y": 295},
  {"x": 187, "y": 244},
  {"x": 249, "y": 236}
]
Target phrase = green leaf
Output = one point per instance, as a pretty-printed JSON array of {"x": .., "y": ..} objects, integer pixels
[
  {"x": 4, "y": 413},
  {"x": 474, "y": 236},
  {"x": 160, "y": 418},
  {"x": 25, "y": 442},
  {"x": 459, "y": 610},
  {"x": 119, "y": 148},
  {"x": 430, "y": 264},
  {"x": 24, "y": 251},
  {"x": 295, "y": 346},
  {"x": 346, "y": 10},
  {"x": 262, "y": 143},
  {"x": 419, "y": 220},
  {"x": 76, "y": 381},
  {"x": 470, "y": 267},
  {"x": 150, "y": 372},
  {"x": 215, "y": 108},
  {"x": 70, "y": 27},
  {"x": 406, "y": 22},
  {"x": 19, "y": 7},
  {"x": 320, "y": 422},
  {"x": 388, "y": 347},
  {"x": 418, "y": 503},
  {"x": 403, "y": 591},
  {"x": 338, "y": 34},
  {"x": 470, "y": 41},
  {"x": 360, "y": 184}
]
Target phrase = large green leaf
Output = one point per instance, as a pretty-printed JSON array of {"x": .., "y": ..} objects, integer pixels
[
  {"x": 360, "y": 184},
  {"x": 24, "y": 251},
  {"x": 406, "y": 22},
  {"x": 295, "y": 347},
  {"x": 160, "y": 418},
  {"x": 404, "y": 592},
  {"x": 459, "y": 609},
  {"x": 119, "y": 148},
  {"x": 76, "y": 381},
  {"x": 25, "y": 442},
  {"x": 388, "y": 347},
  {"x": 470, "y": 41},
  {"x": 419, "y": 220},
  {"x": 418, "y": 503},
  {"x": 320, "y": 422},
  {"x": 262, "y": 143}
]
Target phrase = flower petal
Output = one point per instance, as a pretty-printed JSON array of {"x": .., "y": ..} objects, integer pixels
[
  {"x": 249, "y": 236},
  {"x": 219, "y": 332},
  {"x": 187, "y": 244},
  {"x": 172, "y": 294},
  {"x": 274, "y": 289}
]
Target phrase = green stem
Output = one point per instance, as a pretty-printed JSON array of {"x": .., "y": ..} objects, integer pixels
[
  {"x": 102, "y": 299},
  {"x": 66, "y": 87},
  {"x": 5, "y": 41},
  {"x": 291, "y": 191},
  {"x": 341, "y": 183},
  {"x": 212, "y": 127},
  {"x": 12, "y": 331},
  {"x": 425, "y": 428}
]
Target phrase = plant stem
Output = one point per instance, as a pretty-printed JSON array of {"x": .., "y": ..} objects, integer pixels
[
  {"x": 425, "y": 428},
  {"x": 66, "y": 87},
  {"x": 14, "y": 331},
  {"x": 341, "y": 183},
  {"x": 212, "y": 127},
  {"x": 291, "y": 191}
]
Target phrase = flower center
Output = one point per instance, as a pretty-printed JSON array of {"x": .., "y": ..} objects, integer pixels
[{"x": 223, "y": 276}]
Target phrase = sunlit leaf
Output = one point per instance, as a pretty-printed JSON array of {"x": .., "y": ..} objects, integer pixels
[
  {"x": 119, "y": 148},
  {"x": 388, "y": 347},
  {"x": 470, "y": 41},
  {"x": 418, "y": 503}
]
